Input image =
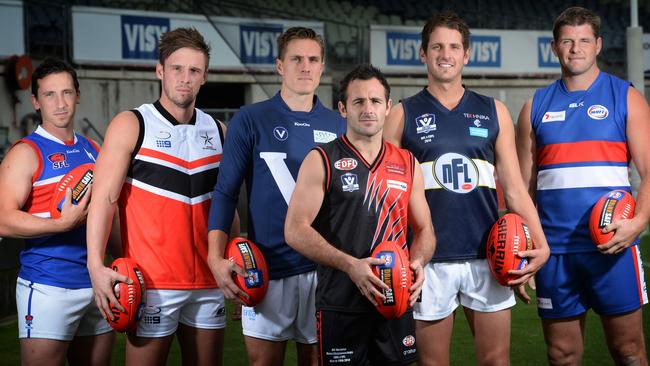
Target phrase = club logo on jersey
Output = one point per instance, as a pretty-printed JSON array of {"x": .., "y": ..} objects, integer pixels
[
  {"x": 425, "y": 123},
  {"x": 280, "y": 133},
  {"x": 456, "y": 173},
  {"x": 408, "y": 341},
  {"x": 597, "y": 111},
  {"x": 349, "y": 182},
  {"x": 477, "y": 122},
  {"x": 323, "y": 137},
  {"x": 58, "y": 160},
  {"x": 396, "y": 184},
  {"x": 207, "y": 141},
  {"x": 554, "y": 116},
  {"x": 346, "y": 164}
]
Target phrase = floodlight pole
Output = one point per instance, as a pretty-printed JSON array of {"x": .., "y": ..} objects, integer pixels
[{"x": 634, "y": 40}]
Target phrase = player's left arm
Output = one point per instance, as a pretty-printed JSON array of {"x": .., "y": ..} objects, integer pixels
[
  {"x": 305, "y": 204},
  {"x": 638, "y": 137},
  {"x": 518, "y": 201},
  {"x": 424, "y": 239}
]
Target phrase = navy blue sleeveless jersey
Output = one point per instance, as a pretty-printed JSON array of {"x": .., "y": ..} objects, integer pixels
[
  {"x": 265, "y": 145},
  {"x": 456, "y": 153},
  {"x": 365, "y": 203}
]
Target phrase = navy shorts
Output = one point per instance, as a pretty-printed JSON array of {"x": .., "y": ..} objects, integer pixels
[
  {"x": 570, "y": 284},
  {"x": 365, "y": 339}
]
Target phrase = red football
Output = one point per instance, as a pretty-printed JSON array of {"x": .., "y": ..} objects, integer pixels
[
  {"x": 508, "y": 236},
  {"x": 397, "y": 275},
  {"x": 77, "y": 179},
  {"x": 613, "y": 206},
  {"x": 249, "y": 257},
  {"x": 131, "y": 297}
]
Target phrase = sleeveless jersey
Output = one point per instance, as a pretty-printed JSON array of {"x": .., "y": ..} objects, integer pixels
[
  {"x": 365, "y": 203},
  {"x": 266, "y": 144},
  {"x": 456, "y": 153},
  {"x": 59, "y": 259},
  {"x": 166, "y": 197},
  {"x": 581, "y": 154}
]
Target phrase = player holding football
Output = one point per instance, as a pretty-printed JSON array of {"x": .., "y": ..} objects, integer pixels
[
  {"x": 266, "y": 143},
  {"x": 575, "y": 138},
  {"x": 57, "y": 316},
  {"x": 461, "y": 139},
  {"x": 158, "y": 166},
  {"x": 352, "y": 194}
]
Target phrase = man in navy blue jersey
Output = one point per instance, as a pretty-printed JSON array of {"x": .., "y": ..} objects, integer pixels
[
  {"x": 461, "y": 138},
  {"x": 265, "y": 146}
]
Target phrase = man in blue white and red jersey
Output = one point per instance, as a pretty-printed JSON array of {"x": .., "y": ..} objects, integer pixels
[
  {"x": 352, "y": 194},
  {"x": 265, "y": 145},
  {"x": 57, "y": 316},
  {"x": 461, "y": 139},
  {"x": 575, "y": 139}
]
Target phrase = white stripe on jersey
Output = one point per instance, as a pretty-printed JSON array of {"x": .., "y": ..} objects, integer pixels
[
  {"x": 485, "y": 174},
  {"x": 46, "y": 215},
  {"x": 583, "y": 177},
  {"x": 168, "y": 194},
  {"x": 47, "y": 181},
  {"x": 175, "y": 166}
]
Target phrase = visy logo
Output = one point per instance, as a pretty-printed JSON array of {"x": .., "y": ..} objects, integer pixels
[{"x": 140, "y": 36}]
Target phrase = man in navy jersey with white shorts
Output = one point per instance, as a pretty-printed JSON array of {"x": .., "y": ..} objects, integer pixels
[
  {"x": 57, "y": 316},
  {"x": 461, "y": 138},
  {"x": 265, "y": 145},
  {"x": 575, "y": 140}
]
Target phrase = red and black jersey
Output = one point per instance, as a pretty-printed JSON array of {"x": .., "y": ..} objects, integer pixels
[{"x": 365, "y": 203}]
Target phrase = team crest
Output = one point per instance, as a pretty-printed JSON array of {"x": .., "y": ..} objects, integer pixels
[
  {"x": 58, "y": 160},
  {"x": 425, "y": 123},
  {"x": 456, "y": 173},
  {"x": 349, "y": 182},
  {"x": 598, "y": 111},
  {"x": 345, "y": 164},
  {"x": 280, "y": 133}
]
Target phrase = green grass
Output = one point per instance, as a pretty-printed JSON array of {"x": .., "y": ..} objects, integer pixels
[{"x": 527, "y": 346}]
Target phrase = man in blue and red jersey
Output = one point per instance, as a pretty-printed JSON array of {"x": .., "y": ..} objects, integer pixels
[
  {"x": 57, "y": 316},
  {"x": 574, "y": 140},
  {"x": 157, "y": 167},
  {"x": 352, "y": 194},
  {"x": 266, "y": 143},
  {"x": 461, "y": 139}
]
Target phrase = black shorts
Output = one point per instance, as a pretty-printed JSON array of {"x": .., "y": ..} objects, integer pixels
[{"x": 365, "y": 339}]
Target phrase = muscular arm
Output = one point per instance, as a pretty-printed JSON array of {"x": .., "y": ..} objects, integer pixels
[
  {"x": 305, "y": 203},
  {"x": 424, "y": 240},
  {"x": 110, "y": 171},
  {"x": 394, "y": 125},
  {"x": 518, "y": 200},
  {"x": 526, "y": 149},
  {"x": 16, "y": 172},
  {"x": 638, "y": 136}
]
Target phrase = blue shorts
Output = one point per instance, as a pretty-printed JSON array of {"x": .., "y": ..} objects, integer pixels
[{"x": 569, "y": 284}]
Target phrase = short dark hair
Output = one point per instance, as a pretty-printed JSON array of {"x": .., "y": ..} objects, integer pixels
[
  {"x": 575, "y": 16},
  {"x": 363, "y": 72},
  {"x": 179, "y": 38},
  {"x": 299, "y": 33},
  {"x": 52, "y": 66},
  {"x": 447, "y": 19}
]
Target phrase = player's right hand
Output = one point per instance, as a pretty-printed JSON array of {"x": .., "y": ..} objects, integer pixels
[
  {"x": 360, "y": 272},
  {"x": 74, "y": 215},
  {"x": 103, "y": 280},
  {"x": 222, "y": 270}
]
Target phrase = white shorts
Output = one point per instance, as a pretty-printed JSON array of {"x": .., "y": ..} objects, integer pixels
[
  {"x": 164, "y": 309},
  {"x": 57, "y": 313},
  {"x": 288, "y": 311},
  {"x": 469, "y": 283}
]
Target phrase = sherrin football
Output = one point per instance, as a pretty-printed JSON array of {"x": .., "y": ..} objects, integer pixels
[
  {"x": 508, "y": 236},
  {"x": 397, "y": 275},
  {"x": 131, "y": 297},
  {"x": 248, "y": 256},
  {"x": 613, "y": 206},
  {"x": 77, "y": 179}
]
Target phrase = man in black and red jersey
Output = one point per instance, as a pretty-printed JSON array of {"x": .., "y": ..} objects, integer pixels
[{"x": 345, "y": 190}]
